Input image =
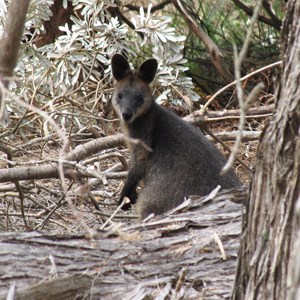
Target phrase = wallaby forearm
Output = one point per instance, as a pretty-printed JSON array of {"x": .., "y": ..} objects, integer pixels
[{"x": 129, "y": 188}]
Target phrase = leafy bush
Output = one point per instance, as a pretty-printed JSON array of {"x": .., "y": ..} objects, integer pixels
[
  {"x": 76, "y": 66},
  {"x": 79, "y": 59}
]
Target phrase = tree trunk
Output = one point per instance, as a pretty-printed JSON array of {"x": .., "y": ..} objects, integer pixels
[
  {"x": 268, "y": 247},
  {"x": 9, "y": 45}
]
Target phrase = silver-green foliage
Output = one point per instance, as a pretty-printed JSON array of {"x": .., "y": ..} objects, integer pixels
[{"x": 85, "y": 49}]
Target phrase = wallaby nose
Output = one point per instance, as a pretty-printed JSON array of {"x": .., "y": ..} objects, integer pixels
[{"x": 126, "y": 116}]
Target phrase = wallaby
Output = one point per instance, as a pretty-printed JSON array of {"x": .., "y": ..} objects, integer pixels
[{"x": 172, "y": 158}]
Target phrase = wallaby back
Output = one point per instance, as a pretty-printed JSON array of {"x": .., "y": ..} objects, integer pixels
[{"x": 173, "y": 158}]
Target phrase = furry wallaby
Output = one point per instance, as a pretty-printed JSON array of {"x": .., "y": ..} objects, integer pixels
[{"x": 172, "y": 158}]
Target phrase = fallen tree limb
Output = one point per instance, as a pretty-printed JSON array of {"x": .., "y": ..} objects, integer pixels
[
  {"x": 198, "y": 118},
  {"x": 50, "y": 170},
  {"x": 189, "y": 253},
  {"x": 231, "y": 135}
]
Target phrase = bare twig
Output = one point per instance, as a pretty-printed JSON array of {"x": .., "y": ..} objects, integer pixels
[
  {"x": 102, "y": 214},
  {"x": 231, "y": 136},
  {"x": 274, "y": 22},
  {"x": 109, "y": 220},
  {"x": 273, "y": 65},
  {"x": 200, "y": 117},
  {"x": 213, "y": 49},
  {"x": 181, "y": 280},
  {"x": 153, "y": 8},
  {"x": 244, "y": 104},
  {"x": 215, "y": 137},
  {"x": 58, "y": 204},
  {"x": 9, "y": 48}
]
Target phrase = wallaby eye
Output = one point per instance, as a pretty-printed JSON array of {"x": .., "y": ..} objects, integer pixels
[{"x": 120, "y": 95}]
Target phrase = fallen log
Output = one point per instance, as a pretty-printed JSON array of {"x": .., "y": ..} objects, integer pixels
[
  {"x": 188, "y": 253},
  {"x": 51, "y": 170}
]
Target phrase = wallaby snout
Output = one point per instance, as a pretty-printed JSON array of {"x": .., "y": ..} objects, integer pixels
[{"x": 127, "y": 116}]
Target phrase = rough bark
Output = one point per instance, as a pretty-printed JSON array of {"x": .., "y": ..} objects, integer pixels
[
  {"x": 268, "y": 253},
  {"x": 60, "y": 16},
  {"x": 10, "y": 43},
  {"x": 12, "y": 35},
  {"x": 189, "y": 253}
]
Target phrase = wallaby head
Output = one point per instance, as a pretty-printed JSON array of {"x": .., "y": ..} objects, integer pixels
[{"x": 132, "y": 97}]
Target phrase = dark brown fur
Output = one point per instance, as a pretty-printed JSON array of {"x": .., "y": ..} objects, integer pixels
[{"x": 181, "y": 162}]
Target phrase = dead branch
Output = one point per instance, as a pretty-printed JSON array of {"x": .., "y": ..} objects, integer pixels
[
  {"x": 153, "y": 8},
  {"x": 189, "y": 253},
  {"x": 213, "y": 49},
  {"x": 273, "y": 21},
  {"x": 276, "y": 64},
  {"x": 267, "y": 5},
  {"x": 244, "y": 103},
  {"x": 51, "y": 170},
  {"x": 10, "y": 43},
  {"x": 231, "y": 136},
  {"x": 198, "y": 118}
]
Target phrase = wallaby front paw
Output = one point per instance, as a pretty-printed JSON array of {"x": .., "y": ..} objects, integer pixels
[{"x": 127, "y": 203}]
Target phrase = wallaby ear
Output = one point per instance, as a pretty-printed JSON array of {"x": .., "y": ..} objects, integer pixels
[
  {"x": 147, "y": 70},
  {"x": 120, "y": 66}
]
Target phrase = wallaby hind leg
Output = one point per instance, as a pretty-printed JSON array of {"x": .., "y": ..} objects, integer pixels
[
  {"x": 151, "y": 202},
  {"x": 145, "y": 207}
]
